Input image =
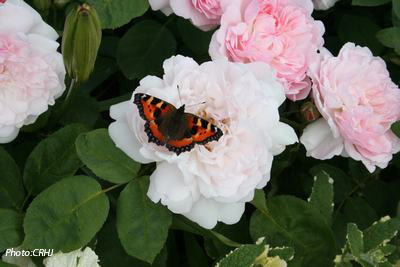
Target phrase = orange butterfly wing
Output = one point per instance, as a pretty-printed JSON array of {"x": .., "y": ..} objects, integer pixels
[
  {"x": 150, "y": 107},
  {"x": 202, "y": 131}
]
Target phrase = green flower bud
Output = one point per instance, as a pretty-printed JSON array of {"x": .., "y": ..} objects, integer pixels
[{"x": 81, "y": 41}]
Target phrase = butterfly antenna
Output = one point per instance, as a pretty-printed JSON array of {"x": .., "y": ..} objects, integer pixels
[
  {"x": 196, "y": 104},
  {"x": 179, "y": 94}
]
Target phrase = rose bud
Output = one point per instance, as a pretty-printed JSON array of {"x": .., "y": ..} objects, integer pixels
[
  {"x": 81, "y": 41},
  {"x": 309, "y": 111}
]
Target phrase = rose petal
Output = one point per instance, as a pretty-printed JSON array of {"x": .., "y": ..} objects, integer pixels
[
  {"x": 125, "y": 140},
  {"x": 167, "y": 183},
  {"x": 319, "y": 141}
]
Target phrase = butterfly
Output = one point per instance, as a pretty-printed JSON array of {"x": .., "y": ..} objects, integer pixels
[{"x": 171, "y": 127}]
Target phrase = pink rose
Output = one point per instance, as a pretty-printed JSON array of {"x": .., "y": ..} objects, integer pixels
[
  {"x": 31, "y": 70},
  {"x": 358, "y": 102},
  {"x": 281, "y": 33},
  {"x": 18, "y": 16},
  {"x": 205, "y": 14}
]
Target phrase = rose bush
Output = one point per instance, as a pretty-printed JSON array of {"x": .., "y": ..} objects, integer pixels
[
  {"x": 358, "y": 102},
  {"x": 83, "y": 177},
  {"x": 212, "y": 182},
  {"x": 280, "y": 33},
  {"x": 32, "y": 71}
]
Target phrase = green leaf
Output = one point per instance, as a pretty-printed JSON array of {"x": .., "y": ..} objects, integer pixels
[
  {"x": 197, "y": 40},
  {"x": 396, "y": 128},
  {"x": 285, "y": 253},
  {"x": 259, "y": 200},
  {"x": 115, "y": 13},
  {"x": 142, "y": 225},
  {"x": 289, "y": 221},
  {"x": 322, "y": 195},
  {"x": 342, "y": 182},
  {"x": 66, "y": 215},
  {"x": 5, "y": 264},
  {"x": 355, "y": 239},
  {"x": 53, "y": 159},
  {"x": 84, "y": 109},
  {"x": 182, "y": 223},
  {"x": 244, "y": 256},
  {"x": 195, "y": 254},
  {"x": 339, "y": 228},
  {"x": 143, "y": 49},
  {"x": 100, "y": 155},
  {"x": 358, "y": 211},
  {"x": 11, "y": 188},
  {"x": 360, "y": 30},
  {"x": 111, "y": 252},
  {"x": 381, "y": 231},
  {"x": 389, "y": 37},
  {"x": 10, "y": 229},
  {"x": 369, "y": 2},
  {"x": 40, "y": 122},
  {"x": 103, "y": 69},
  {"x": 396, "y": 7},
  {"x": 225, "y": 240}
]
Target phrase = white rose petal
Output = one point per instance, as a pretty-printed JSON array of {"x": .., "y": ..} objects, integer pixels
[{"x": 319, "y": 141}]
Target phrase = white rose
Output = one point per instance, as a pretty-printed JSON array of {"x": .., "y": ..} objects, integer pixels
[{"x": 212, "y": 182}]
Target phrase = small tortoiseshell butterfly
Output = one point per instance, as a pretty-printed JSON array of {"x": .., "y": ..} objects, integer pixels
[{"x": 177, "y": 130}]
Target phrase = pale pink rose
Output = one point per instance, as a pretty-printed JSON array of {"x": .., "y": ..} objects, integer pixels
[
  {"x": 31, "y": 70},
  {"x": 324, "y": 4},
  {"x": 17, "y": 16},
  {"x": 358, "y": 102},
  {"x": 281, "y": 33},
  {"x": 205, "y": 14},
  {"x": 212, "y": 182}
]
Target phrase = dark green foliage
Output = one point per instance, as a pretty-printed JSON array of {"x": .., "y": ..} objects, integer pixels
[{"x": 65, "y": 185}]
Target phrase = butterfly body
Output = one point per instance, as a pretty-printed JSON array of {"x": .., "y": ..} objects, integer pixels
[
  {"x": 171, "y": 127},
  {"x": 174, "y": 125}
]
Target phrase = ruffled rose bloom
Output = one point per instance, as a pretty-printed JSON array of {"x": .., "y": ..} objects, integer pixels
[
  {"x": 31, "y": 70},
  {"x": 324, "y": 4},
  {"x": 281, "y": 33},
  {"x": 212, "y": 182},
  {"x": 205, "y": 14},
  {"x": 358, "y": 102}
]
